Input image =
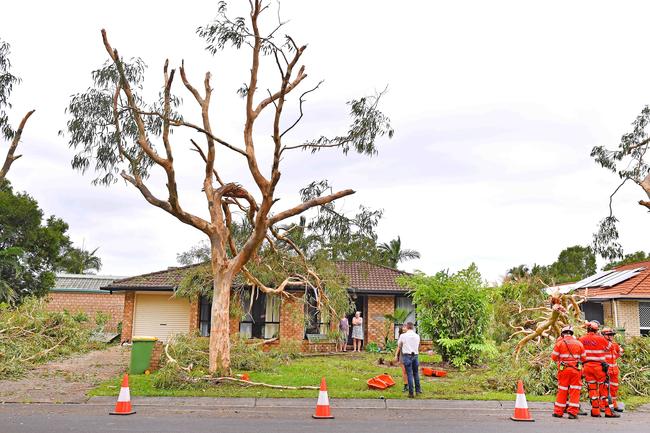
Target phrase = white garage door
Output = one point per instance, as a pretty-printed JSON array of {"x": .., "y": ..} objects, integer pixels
[{"x": 160, "y": 316}]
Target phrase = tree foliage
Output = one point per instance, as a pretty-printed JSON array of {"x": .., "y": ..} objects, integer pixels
[
  {"x": 394, "y": 253},
  {"x": 454, "y": 309},
  {"x": 639, "y": 256},
  {"x": 30, "y": 247},
  {"x": 573, "y": 264},
  {"x": 629, "y": 161},
  {"x": 80, "y": 261}
]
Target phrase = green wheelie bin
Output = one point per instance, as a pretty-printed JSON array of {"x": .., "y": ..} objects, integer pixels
[{"x": 141, "y": 354}]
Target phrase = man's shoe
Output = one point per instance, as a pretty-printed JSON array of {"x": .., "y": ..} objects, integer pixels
[
  {"x": 556, "y": 415},
  {"x": 612, "y": 415},
  {"x": 418, "y": 392},
  {"x": 411, "y": 396},
  {"x": 582, "y": 412},
  {"x": 618, "y": 409},
  {"x": 572, "y": 416},
  {"x": 406, "y": 388}
]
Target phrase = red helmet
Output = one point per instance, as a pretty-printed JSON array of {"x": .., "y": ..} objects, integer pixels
[
  {"x": 608, "y": 331},
  {"x": 592, "y": 326}
]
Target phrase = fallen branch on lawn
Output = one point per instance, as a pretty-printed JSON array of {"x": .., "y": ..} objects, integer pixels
[
  {"x": 45, "y": 352},
  {"x": 173, "y": 361},
  {"x": 249, "y": 383}
]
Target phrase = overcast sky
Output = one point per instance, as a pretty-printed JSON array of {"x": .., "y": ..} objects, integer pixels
[{"x": 496, "y": 106}]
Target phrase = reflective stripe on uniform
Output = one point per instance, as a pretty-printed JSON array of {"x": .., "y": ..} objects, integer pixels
[
  {"x": 575, "y": 387},
  {"x": 613, "y": 383},
  {"x": 560, "y": 404},
  {"x": 563, "y": 388},
  {"x": 574, "y": 404}
]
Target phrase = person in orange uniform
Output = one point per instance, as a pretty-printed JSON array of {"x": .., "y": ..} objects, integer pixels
[
  {"x": 568, "y": 353},
  {"x": 596, "y": 348},
  {"x": 613, "y": 371}
]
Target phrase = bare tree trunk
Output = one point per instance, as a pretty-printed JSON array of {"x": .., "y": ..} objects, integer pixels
[{"x": 220, "y": 322}]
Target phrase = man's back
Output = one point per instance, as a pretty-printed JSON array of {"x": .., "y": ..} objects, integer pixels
[{"x": 410, "y": 342}]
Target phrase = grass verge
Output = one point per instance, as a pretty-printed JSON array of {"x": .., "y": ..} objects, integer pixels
[{"x": 346, "y": 378}]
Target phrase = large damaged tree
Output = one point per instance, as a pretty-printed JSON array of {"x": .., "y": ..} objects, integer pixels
[
  {"x": 630, "y": 162},
  {"x": 115, "y": 130},
  {"x": 11, "y": 135}
]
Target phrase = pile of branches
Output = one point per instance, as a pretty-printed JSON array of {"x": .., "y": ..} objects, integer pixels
[
  {"x": 31, "y": 335},
  {"x": 185, "y": 362},
  {"x": 539, "y": 373}
]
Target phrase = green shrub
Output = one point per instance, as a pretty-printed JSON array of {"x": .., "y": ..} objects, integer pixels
[
  {"x": 373, "y": 348},
  {"x": 454, "y": 309}
]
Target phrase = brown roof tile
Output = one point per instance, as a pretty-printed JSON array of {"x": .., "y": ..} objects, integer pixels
[{"x": 363, "y": 277}]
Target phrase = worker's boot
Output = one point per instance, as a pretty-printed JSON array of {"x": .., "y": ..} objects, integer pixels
[
  {"x": 573, "y": 416},
  {"x": 556, "y": 415},
  {"x": 582, "y": 412},
  {"x": 618, "y": 409},
  {"x": 612, "y": 415}
]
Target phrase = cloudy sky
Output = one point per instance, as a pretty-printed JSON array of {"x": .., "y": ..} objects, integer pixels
[{"x": 496, "y": 106}]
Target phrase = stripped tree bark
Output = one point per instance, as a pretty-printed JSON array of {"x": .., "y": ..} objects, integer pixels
[{"x": 123, "y": 141}]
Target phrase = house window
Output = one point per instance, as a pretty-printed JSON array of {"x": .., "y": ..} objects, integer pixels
[
  {"x": 313, "y": 323},
  {"x": 405, "y": 303},
  {"x": 205, "y": 315},
  {"x": 261, "y": 318},
  {"x": 644, "y": 317}
]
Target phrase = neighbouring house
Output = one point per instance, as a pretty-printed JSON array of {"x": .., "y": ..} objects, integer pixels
[
  {"x": 81, "y": 293},
  {"x": 151, "y": 309},
  {"x": 619, "y": 298}
]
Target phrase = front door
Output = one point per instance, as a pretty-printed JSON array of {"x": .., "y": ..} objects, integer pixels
[{"x": 359, "y": 305}]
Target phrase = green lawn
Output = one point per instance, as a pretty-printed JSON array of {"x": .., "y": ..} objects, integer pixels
[{"x": 346, "y": 378}]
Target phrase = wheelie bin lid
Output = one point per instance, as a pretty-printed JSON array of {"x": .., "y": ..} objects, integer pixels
[{"x": 134, "y": 339}]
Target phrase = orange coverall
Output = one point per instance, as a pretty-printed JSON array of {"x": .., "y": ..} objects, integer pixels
[
  {"x": 615, "y": 352},
  {"x": 596, "y": 349},
  {"x": 568, "y": 352}
]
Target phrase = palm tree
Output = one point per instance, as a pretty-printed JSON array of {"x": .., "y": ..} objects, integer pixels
[
  {"x": 394, "y": 253},
  {"x": 81, "y": 261}
]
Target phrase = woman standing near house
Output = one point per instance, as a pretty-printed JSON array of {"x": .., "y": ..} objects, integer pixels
[
  {"x": 357, "y": 332},
  {"x": 344, "y": 331}
]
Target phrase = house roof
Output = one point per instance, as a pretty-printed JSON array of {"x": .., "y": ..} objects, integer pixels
[
  {"x": 82, "y": 283},
  {"x": 624, "y": 282},
  {"x": 364, "y": 277}
]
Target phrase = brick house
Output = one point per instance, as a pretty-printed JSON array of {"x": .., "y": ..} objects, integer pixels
[
  {"x": 151, "y": 309},
  {"x": 619, "y": 298},
  {"x": 81, "y": 293}
]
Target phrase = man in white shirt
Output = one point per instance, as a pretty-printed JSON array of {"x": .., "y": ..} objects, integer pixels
[{"x": 408, "y": 344}]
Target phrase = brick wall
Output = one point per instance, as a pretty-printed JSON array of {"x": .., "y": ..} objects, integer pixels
[
  {"x": 292, "y": 321},
  {"x": 89, "y": 303},
  {"x": 376, "y": 328},
  {"x": 628, "y": 317},
  {"x": 156, "y": 355},
  {"x": 127, "y": 320}
]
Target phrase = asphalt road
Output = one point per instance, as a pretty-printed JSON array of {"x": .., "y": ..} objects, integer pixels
[{"x": 49, "y": 418}]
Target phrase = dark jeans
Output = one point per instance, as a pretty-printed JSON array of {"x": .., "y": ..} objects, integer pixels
[{"x": 412, "y": 365}]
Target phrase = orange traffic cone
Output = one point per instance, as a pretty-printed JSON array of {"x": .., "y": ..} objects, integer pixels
[
  {"x": 123, "y": 405},
  {"x": 323, "y": 404},
  {"x": 521, "y": 406}
]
